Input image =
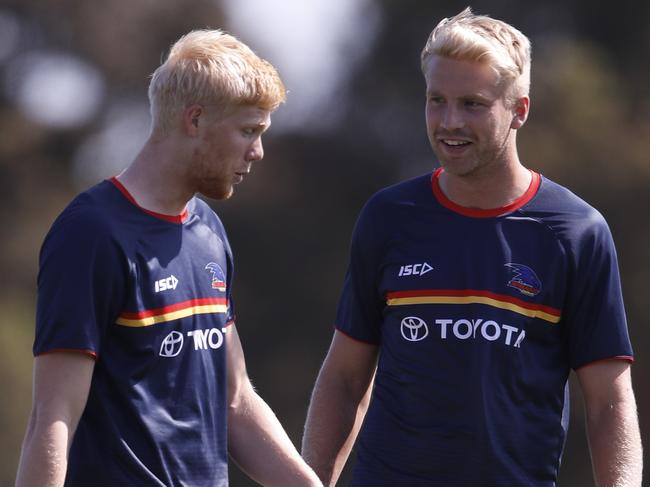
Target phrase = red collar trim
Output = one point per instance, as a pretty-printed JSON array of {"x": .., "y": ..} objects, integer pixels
[
  {"x": 168, "y": 218},
  {"x": 480, "y": 213}
]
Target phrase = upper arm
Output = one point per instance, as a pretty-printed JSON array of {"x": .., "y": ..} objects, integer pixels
[
  {"x": 81, "y": 283},
  {"x": 61, "y": 385},
  {"x": 237, "y": 374},
  {"x": 593, "y": 311}
]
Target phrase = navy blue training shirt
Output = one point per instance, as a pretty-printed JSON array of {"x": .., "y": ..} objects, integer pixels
[
  {"x": 479, "y": 315},
  {"x": 149, "y": 297}
]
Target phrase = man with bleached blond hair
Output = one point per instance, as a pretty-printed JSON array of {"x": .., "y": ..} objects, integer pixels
[
  {"x": 139, "y": 374},
  {"x": 471, "y": 294}
]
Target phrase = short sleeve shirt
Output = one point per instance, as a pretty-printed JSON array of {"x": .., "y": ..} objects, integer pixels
[
  {"x": 479, "y": 315},
  {"x": 149, "y": 297}
]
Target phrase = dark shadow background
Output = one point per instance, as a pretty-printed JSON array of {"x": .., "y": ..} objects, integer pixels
[{"x": 290, "y": 223}]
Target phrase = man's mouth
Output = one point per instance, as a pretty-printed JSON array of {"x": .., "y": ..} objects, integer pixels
[
  {"x": 239, "y": 176},
  {"x": 455, "y": 142}
]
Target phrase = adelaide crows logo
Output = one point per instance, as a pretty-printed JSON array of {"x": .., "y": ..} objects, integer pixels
[
  {"x": 218, "y": 277},
  {"x": 524, "y": 279}
]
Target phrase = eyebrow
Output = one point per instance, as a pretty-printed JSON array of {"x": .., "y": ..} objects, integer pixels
[
  {"x": 262, "y": 126},
  {"x": 467, "y": 96}
]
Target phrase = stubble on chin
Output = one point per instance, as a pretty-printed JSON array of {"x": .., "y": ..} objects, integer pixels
[
  {"x": 217, "y": 191},
  {"x": 211, "y": 185}
]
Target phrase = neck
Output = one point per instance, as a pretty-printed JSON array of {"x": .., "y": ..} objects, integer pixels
[
  {"x": 155, "y": 178},
  {"x": 488, "y": 190}
]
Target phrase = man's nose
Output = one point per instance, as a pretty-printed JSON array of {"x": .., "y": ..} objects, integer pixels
[
  {"x": 256, "y": 152},
  {"x": 452, "y": 118}
]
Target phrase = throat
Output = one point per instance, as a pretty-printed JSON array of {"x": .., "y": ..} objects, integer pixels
[{"x": 485, "y": 193}]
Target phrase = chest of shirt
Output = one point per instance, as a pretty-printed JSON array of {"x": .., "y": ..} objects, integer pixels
[
  {"x": 177, "y": 296},
  {"x": 170, "y": 273},
  {"x": 497, "y": 282}
]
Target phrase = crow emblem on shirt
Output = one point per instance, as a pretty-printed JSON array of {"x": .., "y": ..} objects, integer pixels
[
  {"x": 218, "y": 276},
  {"x": 524, "y": 279}
]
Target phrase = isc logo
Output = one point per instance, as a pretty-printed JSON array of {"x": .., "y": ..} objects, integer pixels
[
  {"x": 165, "y": 284},
  {"x": 415, "y": 269}
]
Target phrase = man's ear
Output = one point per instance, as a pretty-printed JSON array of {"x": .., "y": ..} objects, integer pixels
[
  {"x": 193, "y": 117},
  {"x": 521, "y": 109}
]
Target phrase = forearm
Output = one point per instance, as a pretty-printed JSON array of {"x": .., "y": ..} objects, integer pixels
[
  {"x": 44, "y": 457},
  {"x": 61, "y": 385},
  {"x": 333, "y": 421},
  {"x": 615, "y": 444},
  {"x": 261, "y": 447}
]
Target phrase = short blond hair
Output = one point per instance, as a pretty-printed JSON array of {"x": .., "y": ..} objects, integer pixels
[
  {"x": 470, "y": 37},
  {"x": 213, "y": 68}
]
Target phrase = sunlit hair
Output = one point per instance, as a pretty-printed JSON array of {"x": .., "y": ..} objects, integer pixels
[
  {"x": 470, "y": 37},
  {"x": 211, "y": 67}
]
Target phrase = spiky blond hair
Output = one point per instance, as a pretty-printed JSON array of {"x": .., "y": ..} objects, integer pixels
[
  {"x": 471, "y": 37},
  {"x": 211, "y": 67}
]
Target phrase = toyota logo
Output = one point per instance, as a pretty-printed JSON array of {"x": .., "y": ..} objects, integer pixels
[
  {"x": 172, "y": 344},
  {"x": 414, "y": 329}
]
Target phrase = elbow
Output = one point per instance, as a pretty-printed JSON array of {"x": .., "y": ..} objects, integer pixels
[
  {"x": 359, "y": 388},
  {"x": 239, "y": 397},
  {"x": 622, "y": 404}
]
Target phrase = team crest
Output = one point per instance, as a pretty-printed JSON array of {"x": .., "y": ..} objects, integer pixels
[
  {"x": 524, "y": 279},
  {"x": 218, "y": 276}
]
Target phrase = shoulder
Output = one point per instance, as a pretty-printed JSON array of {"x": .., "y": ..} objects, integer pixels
[
  {"x": 574, "y": 221},
  {"x": 88, "y": 222},
  {"x": 386, "y": 211},
  {"x": 202, "y": 208},
  {"x": 91, "y": 210},
  {"x": 552, "y": 195},
  {"x": 404, "y": 194},
  {"x": 207, "y": 215}
]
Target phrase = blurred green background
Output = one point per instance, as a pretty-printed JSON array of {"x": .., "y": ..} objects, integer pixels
[{"x": 73, "y": 110}]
